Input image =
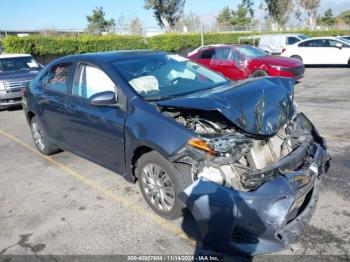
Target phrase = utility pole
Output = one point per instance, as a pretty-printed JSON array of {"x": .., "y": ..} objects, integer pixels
[{"x": 202, "y": 35}]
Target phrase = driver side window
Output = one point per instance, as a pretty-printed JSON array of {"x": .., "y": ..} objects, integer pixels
[{"x": 90, "y": 80}]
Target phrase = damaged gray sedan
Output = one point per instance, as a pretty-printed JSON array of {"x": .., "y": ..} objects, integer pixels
[{"x": 239, "y": 156}]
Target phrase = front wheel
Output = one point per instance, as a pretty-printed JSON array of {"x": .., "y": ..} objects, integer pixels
[
  {"x": 40, "y": 138},
  {"x": 160, "y": 183}
]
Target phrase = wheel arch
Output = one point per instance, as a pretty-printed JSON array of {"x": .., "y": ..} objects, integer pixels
[
  {"x": 30, "y": 116},
  {"x": 137, "y": 153},
  {"x": 262, "y": 70},
  {"x": 297, "y": 57}
]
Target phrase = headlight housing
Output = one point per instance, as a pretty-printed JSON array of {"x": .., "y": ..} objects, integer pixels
[
  {"x": 219, "y": 146},
  {"x": 202, "y": 145},
  {"x": 2, "y": 86},
  {"x": 276, "y": 67}
]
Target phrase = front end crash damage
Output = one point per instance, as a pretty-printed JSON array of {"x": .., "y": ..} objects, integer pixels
[{"x": 252, "y": 194}]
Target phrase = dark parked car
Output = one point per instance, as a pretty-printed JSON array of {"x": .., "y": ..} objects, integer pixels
[
  {"x": 240, "y": 157},
  {"x": 16, "y": 71},
  {"x": 242, "y": 61}
]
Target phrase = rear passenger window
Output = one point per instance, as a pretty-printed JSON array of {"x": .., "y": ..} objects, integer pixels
[
  {"x": 311, "y": 43},
  {"x": 208, "y": 54},
  {"x": 57, "y": 79},
  {"x": 91, "y": 80}
]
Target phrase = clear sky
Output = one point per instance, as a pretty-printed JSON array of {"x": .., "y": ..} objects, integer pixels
[{"x": 70, "y": 14}]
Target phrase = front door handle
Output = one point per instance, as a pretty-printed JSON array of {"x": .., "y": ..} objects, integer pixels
[{"x": 71, "y": 107}]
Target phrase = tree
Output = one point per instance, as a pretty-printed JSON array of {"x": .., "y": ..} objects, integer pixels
[
  {"x": 310, "y": 6},
  {"x": 97, "y": 21},
  {"x": 167, "y": 12},
  {"x": 225, "y": 16},
  {"x": 240, "y": 17},
  {"x": 327, "y": 19},
  {"x": 344, "y": 17},
  {"x": 236, "y": 18},
  {"x": 249, "y": 4},
  {"x": 191, "y": 21},
  {"x": 135, "y": 26},
  {"x": 278, "y": 10}
]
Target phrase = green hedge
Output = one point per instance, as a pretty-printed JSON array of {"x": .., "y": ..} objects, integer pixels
[
  {"x": 63, "y": 45},
  {"x": 66, "y": 45}
]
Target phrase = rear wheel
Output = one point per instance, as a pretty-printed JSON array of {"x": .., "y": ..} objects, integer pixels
[
  {"x": 161, "y": 182},
  {"x": 40, "y": 138},
  {"x": 297, "y": 57},
  {"x": 260, "y": 73}
]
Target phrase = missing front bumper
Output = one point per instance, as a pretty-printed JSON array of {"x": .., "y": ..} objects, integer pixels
[
  {"x": 264, "y": 220},
  {"x": 235, "y": 222}
]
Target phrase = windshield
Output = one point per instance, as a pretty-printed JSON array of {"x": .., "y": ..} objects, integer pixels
[
  {"x": 251, "y": 51},
  {"x": 18, "y": 63},
  {"x": 165, "y": 76},
  {"x": 344, "y": 40},
  {"x": 303, "y": 37}
]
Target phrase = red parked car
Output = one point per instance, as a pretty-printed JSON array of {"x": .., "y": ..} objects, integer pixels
[{"x": 242, "y": 61}]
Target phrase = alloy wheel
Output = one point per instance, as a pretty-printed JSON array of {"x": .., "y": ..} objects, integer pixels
[
  {"x": 158, "y": 187},
  {"x": 38, "y": 136}
]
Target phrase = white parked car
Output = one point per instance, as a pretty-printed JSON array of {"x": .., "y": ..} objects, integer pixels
[
  {"x": 274, "y": 44},
  {"x": 320, "y": 51}
]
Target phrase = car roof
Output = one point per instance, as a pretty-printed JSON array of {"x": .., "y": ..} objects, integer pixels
[
  {"x": 275, "y": 35},
  {"x": 321, "y": 37},
  {"x": 110, "y": 55},
  {"x": 13, "y": 55},
  {"x": 204, "y": 47},
  {"x": 217, "y": 45}
]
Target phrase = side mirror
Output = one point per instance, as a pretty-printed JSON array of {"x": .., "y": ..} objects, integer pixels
[
  {"x": 339, "y": 45},
  {"x": 106, "y": 98}
]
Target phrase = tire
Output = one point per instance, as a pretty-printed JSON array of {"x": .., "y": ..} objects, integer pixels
[
  {"x": 260, "y": 73},
  {"x": 40, "y": 138},
  {"x": 297, "y": 57},
  {"x": 155, "y": 174}
]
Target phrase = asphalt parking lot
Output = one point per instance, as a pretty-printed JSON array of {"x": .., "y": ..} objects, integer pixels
[{"x": 64, "y": 204}]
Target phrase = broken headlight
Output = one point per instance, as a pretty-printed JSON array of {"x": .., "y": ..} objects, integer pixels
[
  {"x": 222, "y": 153},
  {"x": 221, "y": 145}
]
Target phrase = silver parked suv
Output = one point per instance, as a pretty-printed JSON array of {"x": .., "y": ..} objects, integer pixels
[{"x": 16, "y": 71}]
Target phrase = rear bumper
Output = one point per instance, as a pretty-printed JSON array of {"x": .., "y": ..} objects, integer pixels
[
  {"x": 10, "y": 99},
  {"x": 262, "y": 221}
]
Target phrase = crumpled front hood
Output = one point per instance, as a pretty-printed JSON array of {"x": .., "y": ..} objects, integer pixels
[{"x": 259, "y": 107}]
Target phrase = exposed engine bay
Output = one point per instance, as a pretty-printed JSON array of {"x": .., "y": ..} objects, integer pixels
[{"x": 237, "y": 159}]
